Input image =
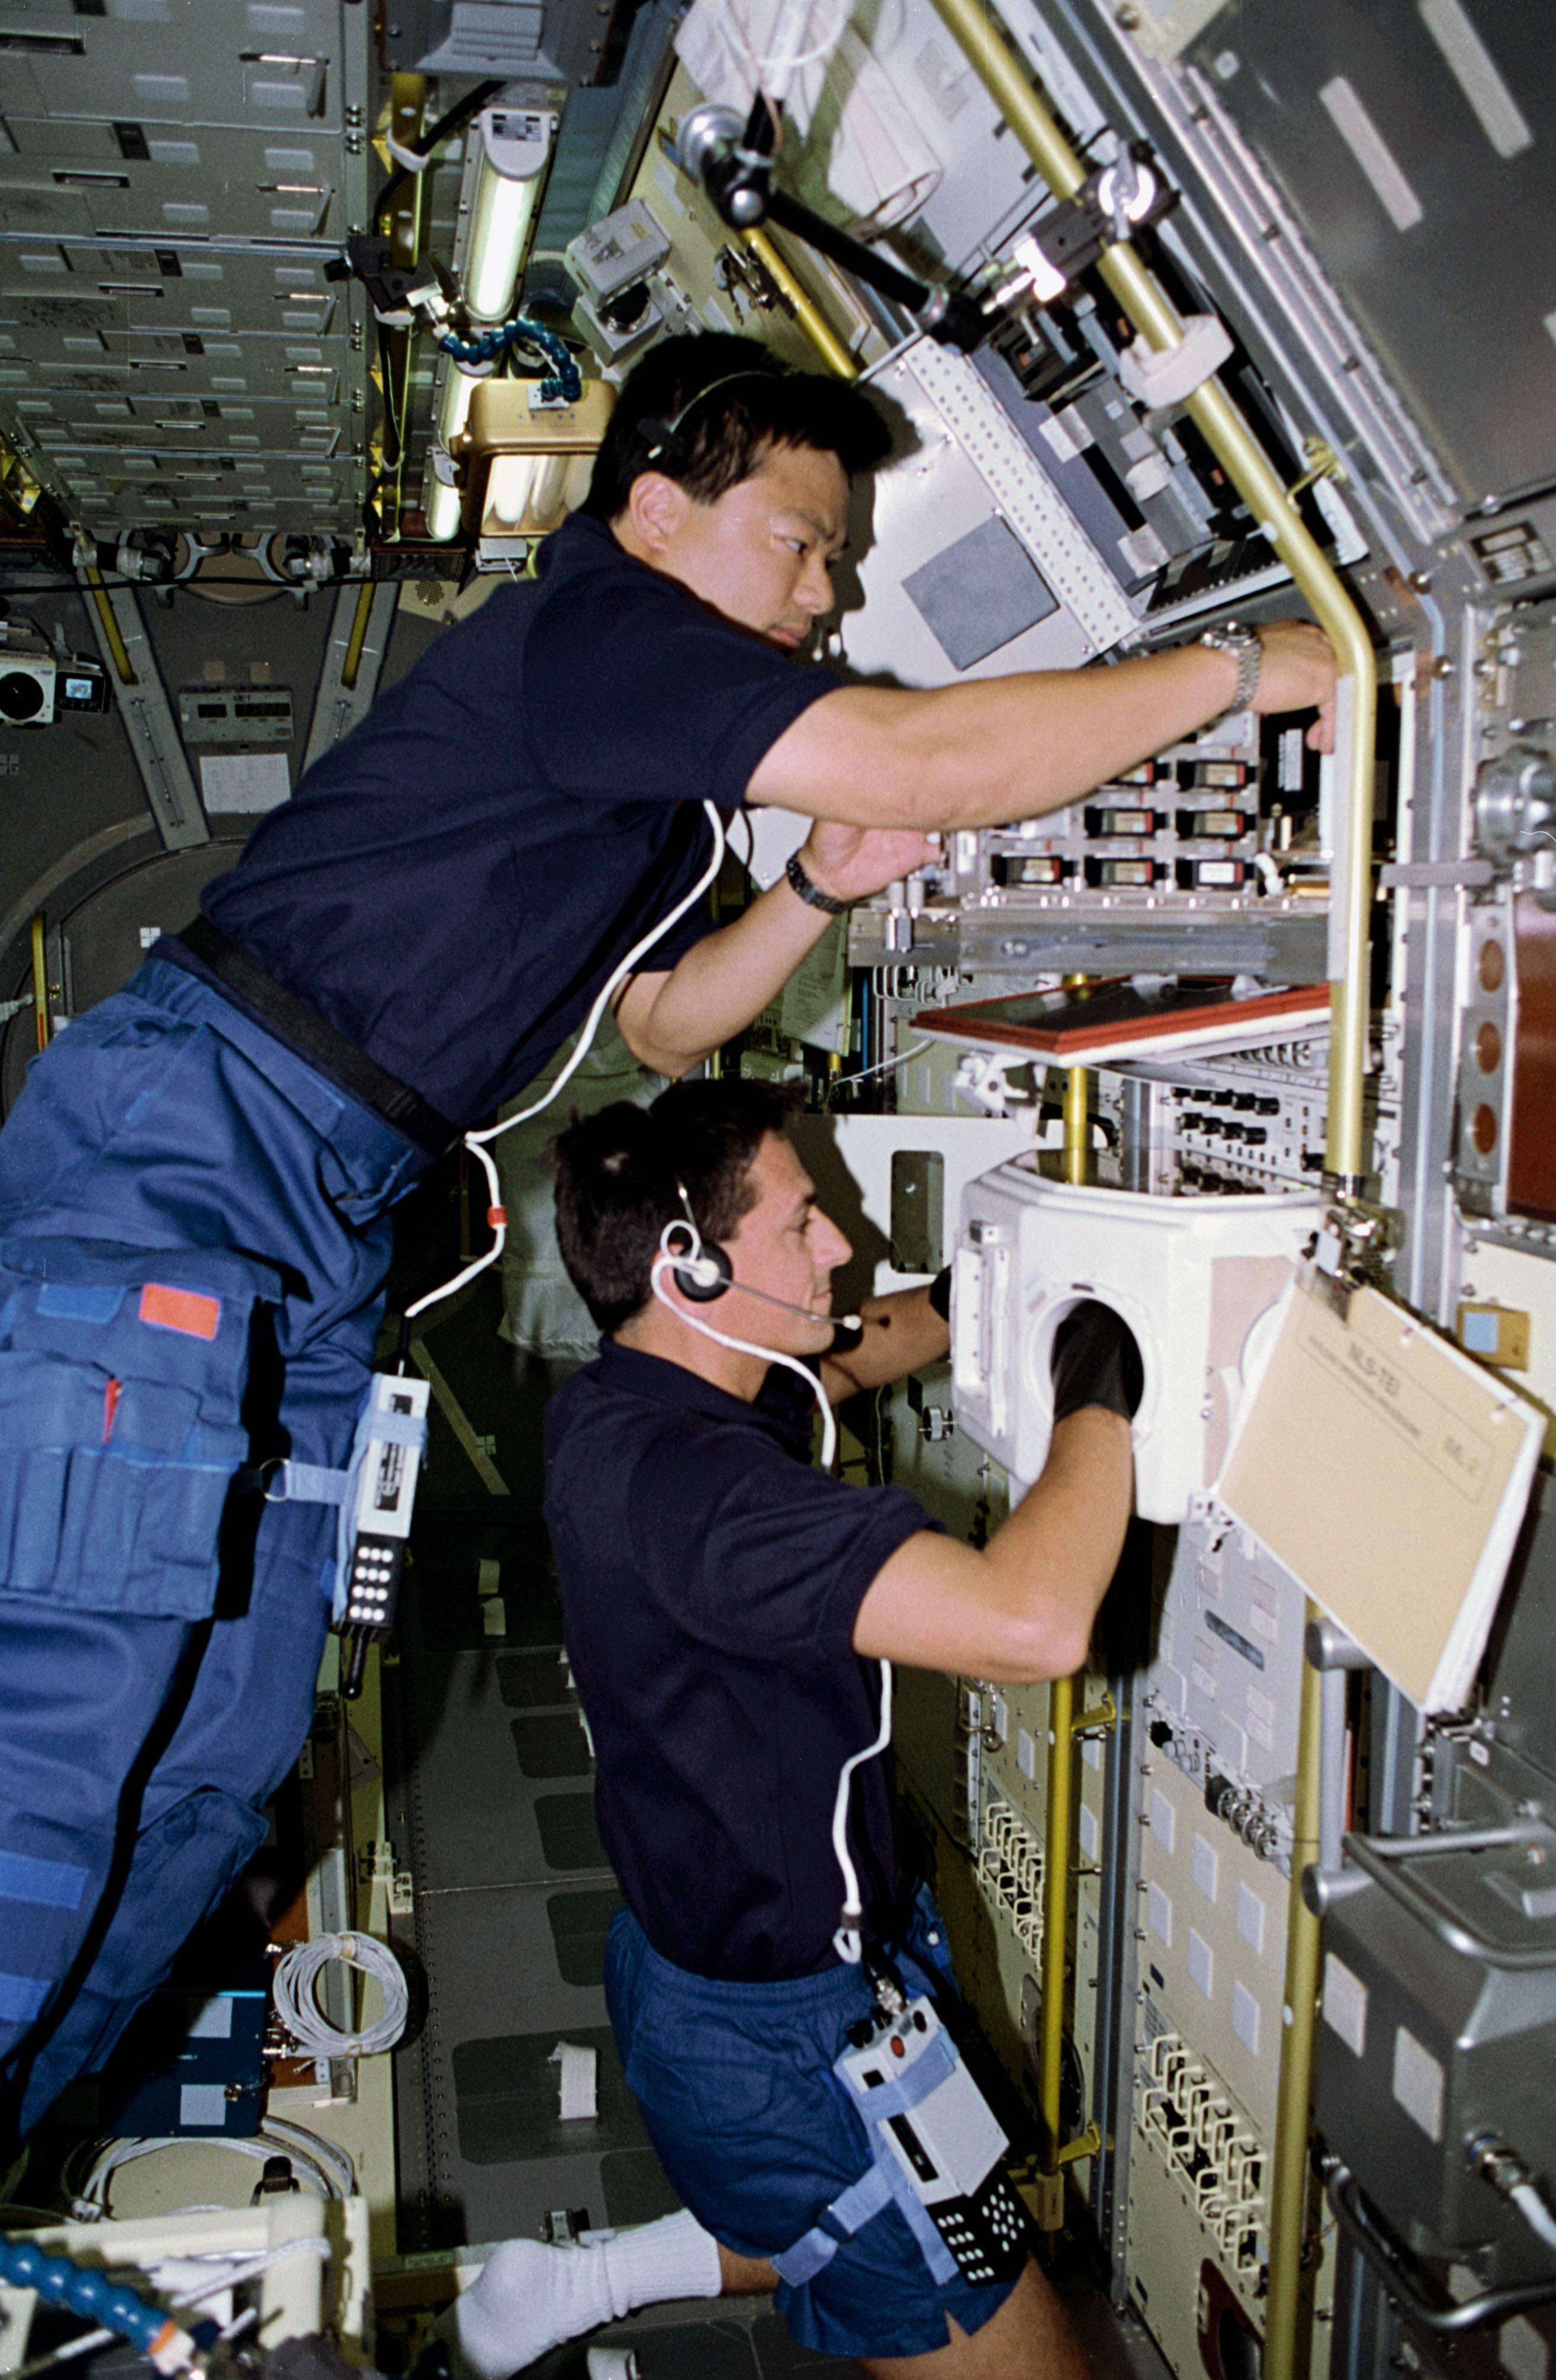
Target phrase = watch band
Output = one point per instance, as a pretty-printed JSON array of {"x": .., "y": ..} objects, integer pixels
[
  {"x": 813, "y": 894},
  {"x": 1243, "y": 646}
]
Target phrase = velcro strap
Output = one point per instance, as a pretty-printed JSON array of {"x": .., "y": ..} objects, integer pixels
[
  {"x": 920, "y": 2222},
  {"x": 848, "y": 2214},
  {"x": 398, "y": 1430},
  {"x": 311, "y": 1483},
  {"x": 936, "y": 2064},
  {"x": 306, "y": 1483}
]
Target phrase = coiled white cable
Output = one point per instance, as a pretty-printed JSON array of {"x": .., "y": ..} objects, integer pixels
[
  {"x": 295, "y": 2139},
  {"x": 322, "y": 2163},
  {"x": 295, "y": 1986},
  {"x": 847, "y": 1941},
  {"x": 478, "y": 1142}
]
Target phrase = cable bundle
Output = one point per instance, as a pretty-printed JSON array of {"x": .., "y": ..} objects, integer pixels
[
  {"x": 319, "y": 2165},
  {"x": 296, "y": 1990}
]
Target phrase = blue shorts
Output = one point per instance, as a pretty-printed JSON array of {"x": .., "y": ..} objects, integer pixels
[{"x": 736, "y": 2085}]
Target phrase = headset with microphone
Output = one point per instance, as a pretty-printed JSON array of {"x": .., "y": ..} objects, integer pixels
[
  {"x": 664, "y": 438},
  {"x": 701, "y": 1270}
]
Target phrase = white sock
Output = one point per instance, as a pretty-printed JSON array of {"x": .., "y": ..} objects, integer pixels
[{"x": 529, "y": 2298}]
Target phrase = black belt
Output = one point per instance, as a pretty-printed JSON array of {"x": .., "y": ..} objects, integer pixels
[{"x": 312, "y": 1037}]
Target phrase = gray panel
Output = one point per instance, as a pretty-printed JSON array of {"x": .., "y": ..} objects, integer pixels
[
  {"x": 197, "y": 179},
  {"x": 132, "y": 71},
  {"x": 1408, "y": 162},
  {"x": 981, "y": 593},
  {"x": 1522, "y": 1689},
  {"x": 506, "y": 2099},
  {"x": 551, "y": 1744}
]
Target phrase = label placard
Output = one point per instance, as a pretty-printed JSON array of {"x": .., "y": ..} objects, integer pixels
[{"x": 1390, "y": 1472}]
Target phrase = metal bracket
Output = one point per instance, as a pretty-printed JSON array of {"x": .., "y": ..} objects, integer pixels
[
  {"x": 1354, "y": 1246},
  {"x": 1322, "y": 463},
  {"x": 1100, "y": 1720},
  {"x": 1450, "y": 2319},
  {"x": 1044, "y": 2194},
  {"x": 146, "y": 711},
  {"x": 358, "y": 637}
]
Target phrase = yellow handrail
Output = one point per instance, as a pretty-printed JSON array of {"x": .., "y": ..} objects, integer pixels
[
  {"x": 1288, "y": 2188},
  {"x": 40, "y": 980},
  {"x": 806, "y": 311},
  {"x": 1056, "y": 1898}
]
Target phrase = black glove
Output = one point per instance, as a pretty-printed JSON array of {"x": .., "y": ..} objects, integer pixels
[{"x": 1096, "y": 1361}]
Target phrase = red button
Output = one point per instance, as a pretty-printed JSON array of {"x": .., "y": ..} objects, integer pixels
[{"x": 897, "y": 2050}]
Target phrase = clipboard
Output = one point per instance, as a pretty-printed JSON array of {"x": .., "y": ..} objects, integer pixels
[{"x": 1390, "y": 1474}]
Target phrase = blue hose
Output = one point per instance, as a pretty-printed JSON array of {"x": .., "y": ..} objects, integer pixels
[
  {"x": 85, "y": 2292},
  {"x": 564, "y": 383}
]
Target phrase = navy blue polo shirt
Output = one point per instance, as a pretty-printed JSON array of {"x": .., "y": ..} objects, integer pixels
[
  {"x": 711, "y": 1581},
  {"x": 452, "y": 884}
]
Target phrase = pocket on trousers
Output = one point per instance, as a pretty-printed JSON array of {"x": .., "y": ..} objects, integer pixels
[{"x": 121, "y": 1379}]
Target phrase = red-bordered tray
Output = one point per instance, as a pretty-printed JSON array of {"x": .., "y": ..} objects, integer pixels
[{"x": 1125, "y": 1017}]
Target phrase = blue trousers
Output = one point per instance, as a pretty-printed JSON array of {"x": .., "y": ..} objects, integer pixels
[{"x": 193, "y": 1241}]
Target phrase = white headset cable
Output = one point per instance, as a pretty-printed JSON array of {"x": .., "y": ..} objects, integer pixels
[
  {"x": 847, "y": 1941},
  {"x": 477, "y": 1142}
]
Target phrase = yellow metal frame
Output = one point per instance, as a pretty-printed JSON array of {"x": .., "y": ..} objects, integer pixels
[
  {"x": 1285, "y": 2353},
  {"x": 112, "y": 634},
  {"x": 352, "y": 664},
  {"x": 407, "y": 99},
  {"x": 806, "y": 311},
  {"x": 41, "y": 980}
]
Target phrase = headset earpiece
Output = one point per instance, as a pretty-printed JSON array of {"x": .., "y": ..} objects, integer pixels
[
  {"x": 706, "y": 1275},
  {"x": 703, "y": 1270},
  {"x": 664, "y": 438}
]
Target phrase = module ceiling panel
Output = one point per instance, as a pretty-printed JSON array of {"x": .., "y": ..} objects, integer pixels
[
  {"x": 174, "y": 177},
  {"x": 1414, "y": 138}
]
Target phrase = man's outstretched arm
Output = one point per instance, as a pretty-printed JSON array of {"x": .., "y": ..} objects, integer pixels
[
  {"x": 990, "y": 751},
  {"x": 902, "y": 1333},
  {"x": 673, "y": 1020},
  {"x": 1021, "y": 1609}
]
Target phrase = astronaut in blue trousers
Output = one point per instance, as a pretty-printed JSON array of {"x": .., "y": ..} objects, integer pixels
[
  {"x": 196, "y": 1179},
  {"x": 194, "y": 1183}
]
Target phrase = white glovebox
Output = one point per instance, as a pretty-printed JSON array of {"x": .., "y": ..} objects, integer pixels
[{"x": 1193, "y": 1278}]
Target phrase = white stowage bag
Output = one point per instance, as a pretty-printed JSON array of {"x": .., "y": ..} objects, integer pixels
[{"x": 868, "y": 151}]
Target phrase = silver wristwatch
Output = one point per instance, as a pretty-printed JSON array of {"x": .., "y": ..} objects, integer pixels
[{"x": 1243, "y": 645}]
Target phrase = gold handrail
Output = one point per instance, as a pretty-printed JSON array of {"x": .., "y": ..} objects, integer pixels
[
  {"x": 1288, "y": 2189},
  {"x": 1056, "y": 1879},
  {"x": 806, "y": 311},
  {"x": 40, "y": 1023}
]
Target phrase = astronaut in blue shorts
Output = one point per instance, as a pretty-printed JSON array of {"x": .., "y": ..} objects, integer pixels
[{"x": 730, "y": 1611}]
